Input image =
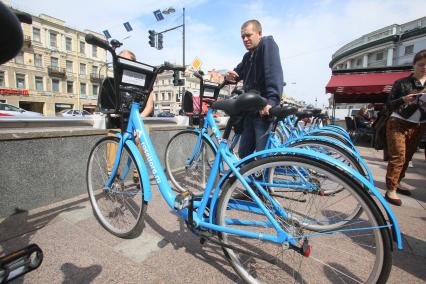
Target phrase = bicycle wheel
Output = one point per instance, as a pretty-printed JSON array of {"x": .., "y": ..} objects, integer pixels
[
  {"x": 333, "y": 151},
  {"x": 120, "y": 207},
  {"x": 333, "y": 135},
  {"x": 356, "y": 253},
  {"x": 189, "y": 161}
]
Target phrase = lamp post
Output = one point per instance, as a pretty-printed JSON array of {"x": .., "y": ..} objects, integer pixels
[{"x": 171, "y": 10}]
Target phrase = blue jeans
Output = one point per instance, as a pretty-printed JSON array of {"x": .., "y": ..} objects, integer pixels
[{"x": 254, "y": 135}]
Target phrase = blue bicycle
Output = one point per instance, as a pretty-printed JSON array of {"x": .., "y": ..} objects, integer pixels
[{"x": 264, "y": 239}]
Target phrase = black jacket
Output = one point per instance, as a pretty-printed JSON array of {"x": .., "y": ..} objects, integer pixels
[
  {"x": 262, "y": 71},
  {"x": 401, "y": 88}
]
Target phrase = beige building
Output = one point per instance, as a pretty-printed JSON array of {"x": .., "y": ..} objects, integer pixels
[
  {"x": 167, "y": 97},
  {"x": 55, "y": 70}
]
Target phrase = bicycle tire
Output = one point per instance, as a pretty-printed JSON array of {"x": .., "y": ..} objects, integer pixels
[
  {"x": 335, "y": 257},
  {"x": 185, "y": 176},
  {"x": 334, "y": 151},
  {"x": 120, "y": 208},
  {"x": 333, "y": 135}
]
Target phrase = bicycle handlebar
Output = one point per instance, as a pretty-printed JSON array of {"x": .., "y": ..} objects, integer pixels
[
  {"x": 93, "y": 40},
  {"x": 170, "y": 66}
]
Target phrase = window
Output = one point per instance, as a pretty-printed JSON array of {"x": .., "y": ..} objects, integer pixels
[
  {"x": 38, "y": 60},
  {"x": 359, "y": 62},
  {"x": 82, "y": 47},
  {"x": 409, "y": 49},
  {"x": 94, "y": 51},
  {"x": 54, "y": 62},
  {"x": 36, "y": 34},
  {"x": 38, "y": 82},
  {"x": 20, "y": 81},
  {"x": 95, "y": 70},
  {"x": 70, "y": 87},
  {"x": 83, "y": 89},
  {"x": 379, "y": 56},
  {"x": 2, "y": 82},
  {"x": 95, "y": 90},
  {"x": 19, "y": 59},
  {"x": 69, "y": 66},
  {"x": 55, "y": 85},
  {"x": 68, "y": 44},
  {"x": 53, "y": 39},
  {"x": 82, "y": 69}
]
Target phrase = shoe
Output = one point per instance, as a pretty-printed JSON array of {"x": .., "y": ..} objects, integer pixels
[
  {"x": 410, "y": 164},
  {"x": 394, "y": 201},
  {"x": 405, "y": 192}
]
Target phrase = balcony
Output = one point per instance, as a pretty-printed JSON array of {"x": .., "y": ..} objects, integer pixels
[
  {"x": 57, "y": 72},
  {"x": 27, "y": 41},
  {"x": 95, "y": 78}
]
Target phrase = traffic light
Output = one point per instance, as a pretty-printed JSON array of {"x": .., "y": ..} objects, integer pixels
[
  {"x": 176, "y": 79},
  {"x": 160, "y": 41},
  {"x": 151, "y": 38}
]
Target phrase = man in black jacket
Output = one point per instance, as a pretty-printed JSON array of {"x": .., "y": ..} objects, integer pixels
[{"x": 260, "y": 70}]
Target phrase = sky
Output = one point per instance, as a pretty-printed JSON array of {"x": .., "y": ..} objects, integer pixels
[{"x": 307, "y": 32}]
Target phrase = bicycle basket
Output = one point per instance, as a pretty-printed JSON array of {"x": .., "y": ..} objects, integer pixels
[{"x": 134, "y": 78}]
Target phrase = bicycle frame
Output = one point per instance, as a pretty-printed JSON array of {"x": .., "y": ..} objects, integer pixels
[{"x": 223, "y": 155}]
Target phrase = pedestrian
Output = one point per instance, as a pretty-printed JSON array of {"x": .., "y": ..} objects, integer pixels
[
  {"x": 405, "y": 126},
  {"x": 260, "y": 70}
]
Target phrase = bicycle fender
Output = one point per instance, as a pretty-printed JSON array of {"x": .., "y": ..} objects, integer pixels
[
  {"x": 338, "y": 143},
  {"x": 147, "y": 191},
  {"x": 396, "y": 232}
]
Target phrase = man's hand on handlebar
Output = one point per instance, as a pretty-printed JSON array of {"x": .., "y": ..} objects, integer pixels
[
  {"x": 232, "y": 77},
  {"x": 265, "y": 110}
]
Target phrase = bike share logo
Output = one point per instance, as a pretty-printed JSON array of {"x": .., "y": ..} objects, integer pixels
[{"x": 151, "y": 163}]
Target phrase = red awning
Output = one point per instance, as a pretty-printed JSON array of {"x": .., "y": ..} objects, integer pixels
[{"x": 368, "y": 83}]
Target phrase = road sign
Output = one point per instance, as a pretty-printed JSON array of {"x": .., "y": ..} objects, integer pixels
[
  {"x": 196, "y": 64},
  {"x": 128, "y": 27},
  {"x": 158, "y": 15}
]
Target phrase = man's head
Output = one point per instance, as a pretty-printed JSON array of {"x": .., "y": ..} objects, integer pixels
[
  {"x": 251, "y": 34},
  {"x": 127, "y": 54}
]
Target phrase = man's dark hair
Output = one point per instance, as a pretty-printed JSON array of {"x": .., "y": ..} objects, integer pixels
[
  {"x": 419, "y": 56},
  {"x": 257, "y": 27}
]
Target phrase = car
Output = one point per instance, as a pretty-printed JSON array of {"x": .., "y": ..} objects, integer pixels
[
  {"x": 166, "y": 114},
  {"x": 74, "y": 113},
  {"x": 7, "y": 110}
]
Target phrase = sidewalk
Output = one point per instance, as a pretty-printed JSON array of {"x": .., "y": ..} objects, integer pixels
[{"x": 78, "y": 250}]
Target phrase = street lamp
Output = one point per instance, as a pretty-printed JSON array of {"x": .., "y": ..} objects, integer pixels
[{"x": 171, "y": 10}]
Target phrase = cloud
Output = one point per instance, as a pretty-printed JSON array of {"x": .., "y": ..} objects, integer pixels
[{"x": 307, "y": 32}]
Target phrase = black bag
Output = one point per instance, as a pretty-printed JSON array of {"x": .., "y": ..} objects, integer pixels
[{"x": 380, "y": 129}]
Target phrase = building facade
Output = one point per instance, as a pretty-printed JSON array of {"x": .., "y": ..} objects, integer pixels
[
  {"x": 55, "y": 70},
  {"x": 393, "y": 45},
  {"x": 167, "y": 97},
  {"x": 364, "y": 70}
]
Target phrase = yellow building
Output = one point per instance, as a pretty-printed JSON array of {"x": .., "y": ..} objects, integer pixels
[{"x": 55, "y": 70}]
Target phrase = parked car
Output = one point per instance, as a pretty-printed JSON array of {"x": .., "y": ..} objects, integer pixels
[
  {"x": 75, "y": 112},
  {"x": 7, "y": 110},
  {"x": 166, "y": 114}
]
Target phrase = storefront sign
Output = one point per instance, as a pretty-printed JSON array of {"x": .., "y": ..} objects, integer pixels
[{"x": 10, "y": 92}]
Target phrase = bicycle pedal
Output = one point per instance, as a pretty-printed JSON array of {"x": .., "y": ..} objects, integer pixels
[{"x": 183, "y": 200}]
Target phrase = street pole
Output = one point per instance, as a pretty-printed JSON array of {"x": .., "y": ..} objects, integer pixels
[{"x": 183, "y": 38}]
